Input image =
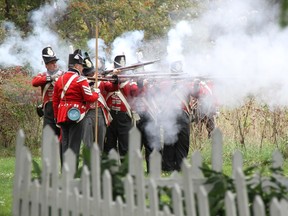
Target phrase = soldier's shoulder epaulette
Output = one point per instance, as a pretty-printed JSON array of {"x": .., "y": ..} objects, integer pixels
[{"x": 81, "y": 78}]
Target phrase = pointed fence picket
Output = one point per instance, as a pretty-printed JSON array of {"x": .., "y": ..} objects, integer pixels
[{"x": 58, "y": 193}]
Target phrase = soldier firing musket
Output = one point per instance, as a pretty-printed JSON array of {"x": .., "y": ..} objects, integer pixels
[{"x": 119, "y": 100}]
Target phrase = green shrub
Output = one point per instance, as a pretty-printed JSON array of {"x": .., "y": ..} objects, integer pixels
[
  {"x": 18, "y": 99},
  {"x": 261, "y": 181}
]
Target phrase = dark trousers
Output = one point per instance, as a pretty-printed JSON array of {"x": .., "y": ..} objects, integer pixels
[
  {"x": 204, "y": 114},
  {"x": 71, "y": 138},
  {"x": 150, "y": 136},
  {"x": 88, "y": 132},
  {"x": 50, "y": 120},
  {"x": 117, "y": 136},
  {"x": 174, "y": 153}
]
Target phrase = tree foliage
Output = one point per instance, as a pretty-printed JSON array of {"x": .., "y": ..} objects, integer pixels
[
  {"x": 116, "y": 17},
  {"x": 284, "y": 13},
  {"x": 17, "y": 11},
  {"x": 113, "y": 18}
]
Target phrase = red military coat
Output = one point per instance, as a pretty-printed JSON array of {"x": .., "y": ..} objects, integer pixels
[
  {"x": 77, "y": 95},
  {"x": 101, "y": 103},
  {"x": 42, "y": 80},
  {"x": 128, "y": 89}
]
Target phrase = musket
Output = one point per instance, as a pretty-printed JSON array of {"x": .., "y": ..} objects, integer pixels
[
  {"x": 102, "y": 78},
  {"x": 155, "y": 77},
  {"x": 141, "y": 75},
  {"x": 131, "y": 76},
  {"x": 130, "y": 67},
  {"x": 150, "y": 74},
  {"x": 111, "y": 79}
]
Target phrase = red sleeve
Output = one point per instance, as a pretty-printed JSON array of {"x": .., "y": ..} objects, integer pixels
[
  {"x": 87, "y": 93},
  {"x": 101, "y": 86},
  {"x": 110, "y": 87},
  {"x": 39, "y": 80},
  {"x": 134, "y": 91}
]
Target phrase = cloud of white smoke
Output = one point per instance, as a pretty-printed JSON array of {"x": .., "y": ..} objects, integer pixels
[
  {"x": 241, "y": 45},
  {"x": 19, "y": 50}
]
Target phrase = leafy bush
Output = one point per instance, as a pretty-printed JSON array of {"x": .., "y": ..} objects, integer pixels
[
  {"x": 18, "y": 99},
  {"x": 263, "y": 183}
]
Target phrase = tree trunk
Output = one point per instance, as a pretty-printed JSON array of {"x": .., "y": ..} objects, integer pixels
[{"x": 7, "y": 9}]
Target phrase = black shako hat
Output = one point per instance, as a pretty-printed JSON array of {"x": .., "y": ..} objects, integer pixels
[
  {"x": 48, "y": 55},
  {"x": 89, "y": 68},
  {"x": 119, "y": 61},
  {"x": 75, "y": 58}
]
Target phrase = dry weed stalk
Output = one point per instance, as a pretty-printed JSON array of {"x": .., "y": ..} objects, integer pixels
[{"x": 254, "y": 123}]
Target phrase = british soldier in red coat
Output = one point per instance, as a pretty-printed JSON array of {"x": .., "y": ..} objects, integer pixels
[
  {"x": 46, "y": 81},
  {"x": 118, "y": 99},
  {"x": 71, "y": 93}
]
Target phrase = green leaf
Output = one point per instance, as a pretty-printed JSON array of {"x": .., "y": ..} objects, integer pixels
[{"x": 36, "y": 170}]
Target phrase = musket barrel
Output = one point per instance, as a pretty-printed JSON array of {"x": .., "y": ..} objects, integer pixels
[
  {"x": 101, "y": 78},
  {"x": 130, "y": 67},
  {"x": 158, "y": 77}
]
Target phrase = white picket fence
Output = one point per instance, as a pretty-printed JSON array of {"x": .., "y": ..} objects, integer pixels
[{"x": 59, "y": 194}]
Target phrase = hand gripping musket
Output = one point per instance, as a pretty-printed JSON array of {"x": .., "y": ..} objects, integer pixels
[{"x": 130, "y": 67}]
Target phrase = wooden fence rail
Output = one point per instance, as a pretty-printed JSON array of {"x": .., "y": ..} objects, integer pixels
[{"x": 60, "y": 194}]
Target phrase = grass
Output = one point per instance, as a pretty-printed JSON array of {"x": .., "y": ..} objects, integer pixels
[
  {"x": 252, "y": 155},
  {"x": 7, "y": 166}
]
